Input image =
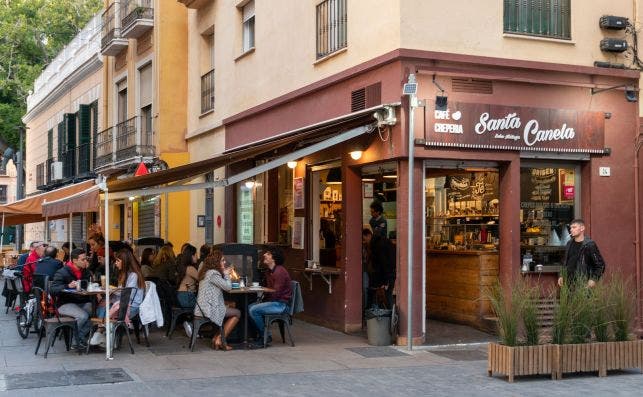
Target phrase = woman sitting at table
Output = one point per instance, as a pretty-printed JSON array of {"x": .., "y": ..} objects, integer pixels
[
  {"x": 188, "y": 277},
  {"x": 214, "y": 278},
  {"x": 129, "y": 275},
  {"x": 147, "y": 258}
]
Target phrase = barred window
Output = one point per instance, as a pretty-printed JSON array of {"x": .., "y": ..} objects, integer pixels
[
  {"x": 331, "y": 27},
  {"x": 544, "y": 18}
]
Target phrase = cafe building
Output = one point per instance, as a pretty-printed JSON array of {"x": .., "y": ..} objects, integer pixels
[{"x": 512, "y": 152}]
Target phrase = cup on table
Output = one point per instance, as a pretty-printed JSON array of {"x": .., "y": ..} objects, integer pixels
[
  {"x": 78, "y": 287},
  {"x": 102, "y": 282},
  {"x": 255, "y": 284}
]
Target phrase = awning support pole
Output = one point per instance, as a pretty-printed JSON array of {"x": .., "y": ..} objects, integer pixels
[
  {"x": 2, "y": 235},
  {"x": 409, "y": 242},
  {"x": 108, "y": 339}
]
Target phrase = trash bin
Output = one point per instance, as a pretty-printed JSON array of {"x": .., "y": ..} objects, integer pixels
[{"x": 378, "y": 326}]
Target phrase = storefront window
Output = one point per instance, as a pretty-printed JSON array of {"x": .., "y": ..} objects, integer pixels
[
  {"x": 548, "y": 203},
  {"x": 462, "y": 210}
]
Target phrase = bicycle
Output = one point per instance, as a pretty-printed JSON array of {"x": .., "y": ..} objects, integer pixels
[{"x": 26, "y": 316}]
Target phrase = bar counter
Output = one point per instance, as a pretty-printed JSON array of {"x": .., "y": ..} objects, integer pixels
[{"x": 456, "y": 284}]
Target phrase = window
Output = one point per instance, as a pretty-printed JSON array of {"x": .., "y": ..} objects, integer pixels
[
  {"x": 331, "y": 27},
  {"x": 546, "y": 18},
  {"x": 248, "y": 26},
  {"x": 3, "y": 194},
  {"x": 121, "y": 88}
]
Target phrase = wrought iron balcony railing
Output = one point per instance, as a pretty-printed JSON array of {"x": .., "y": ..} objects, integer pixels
[
  {"x": 137, "y": 17},
  {"x": 126, "y": 142},
  {"x": 112, "y": 41}
]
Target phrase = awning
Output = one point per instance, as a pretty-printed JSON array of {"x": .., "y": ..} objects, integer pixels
[
  {"x": 293, "y": 144},
  {"x": 30, "y": 209},
  {"x": 84, "y": 201}
]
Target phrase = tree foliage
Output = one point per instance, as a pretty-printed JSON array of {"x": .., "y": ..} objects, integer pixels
[{"x": 32, "y": 33}]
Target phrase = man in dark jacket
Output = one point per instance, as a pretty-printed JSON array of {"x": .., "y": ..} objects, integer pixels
[
  {"x": 48, "y": 264},
  {"x": 384, "y": 270},
  {"x": 582, "y": 257},
  {"x": 277, "y": 279},
  {"x": 69, "y": 304}
]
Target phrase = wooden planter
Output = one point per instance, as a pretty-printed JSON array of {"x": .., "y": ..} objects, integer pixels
[
  {"x": 600, "y": 357},
  {"x": 520, "y": 360}
]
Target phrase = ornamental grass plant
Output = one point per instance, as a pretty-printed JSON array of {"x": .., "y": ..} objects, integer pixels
[
  {"x": 516, "y": 311},
  {"x": 622, "y": 299},
  {"x": 601, "y": 318}
]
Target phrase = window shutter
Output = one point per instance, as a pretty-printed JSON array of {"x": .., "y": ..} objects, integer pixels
[
  {"x": 145, "y": 77},
  {"x": 70, "y": 129},
  {"x": 50, "y": 143},
  {"x": 62, "y": 133},
  {"x": 84, "y": 123}
]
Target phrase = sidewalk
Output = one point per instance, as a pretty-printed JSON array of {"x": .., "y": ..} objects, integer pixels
[{"x": 323, "y": 362}]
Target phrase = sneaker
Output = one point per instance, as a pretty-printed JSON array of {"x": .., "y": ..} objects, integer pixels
[
  {"x": 188, "y": 328},
  {"x": 97, "y": 339}
]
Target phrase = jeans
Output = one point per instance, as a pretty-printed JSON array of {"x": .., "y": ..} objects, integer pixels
[
  {"x": 81, "y": 313},
  {"x": 186, "y": 298},
  {"x": 258, "y": 310}
]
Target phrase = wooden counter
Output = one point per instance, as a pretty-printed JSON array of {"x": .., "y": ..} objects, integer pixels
[{"x": 456, "y": 282}]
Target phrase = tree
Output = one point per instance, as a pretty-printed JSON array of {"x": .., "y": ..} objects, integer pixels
[{"x": 32, "y": 33}]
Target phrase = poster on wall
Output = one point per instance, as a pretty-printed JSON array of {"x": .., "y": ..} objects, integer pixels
[
  {"x": 298, "y": 192},
  {"x": 298, "y": 233}
]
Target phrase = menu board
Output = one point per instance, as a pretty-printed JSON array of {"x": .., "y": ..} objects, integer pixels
[
  {"x": 539, "y": 185},
  {"x": 479, "y": 186}
]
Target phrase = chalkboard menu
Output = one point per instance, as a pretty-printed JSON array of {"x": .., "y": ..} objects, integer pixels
[
  {"x": 539, "y": 185},
  {"x": 479, "y": 186}
]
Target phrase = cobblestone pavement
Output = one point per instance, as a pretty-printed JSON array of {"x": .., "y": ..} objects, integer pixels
[{"x": 323, "y": 363}]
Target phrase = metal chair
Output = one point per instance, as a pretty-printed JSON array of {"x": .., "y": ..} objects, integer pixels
[
  {"x": 284, "y": 319},
  {"x": 52, "y": 326},
  {"x": 117, "y": 325},
  {"x": 177, "y": 312},
  {"x": 197, "y": 323}
]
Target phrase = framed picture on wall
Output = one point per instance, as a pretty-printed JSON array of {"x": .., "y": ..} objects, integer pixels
[
  {"x": 298, "y": 233},
  {"x": 368, "y": 190}
]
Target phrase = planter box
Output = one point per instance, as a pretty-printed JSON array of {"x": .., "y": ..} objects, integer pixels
[
  {"x": 600, "y": 357},
  {"x": 520, "y": 360}
]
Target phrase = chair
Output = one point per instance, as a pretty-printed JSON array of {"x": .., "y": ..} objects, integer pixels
[
  {"x": 53, "y": 325},
  {"x": 117, "y": 325},
  {"x": 177, "y": 312},
  {"x": 197, "y": 323},
  {"x": 295, "y": 305}
]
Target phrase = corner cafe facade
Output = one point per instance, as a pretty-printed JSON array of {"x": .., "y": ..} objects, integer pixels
[{"x": 557, "y": 152}]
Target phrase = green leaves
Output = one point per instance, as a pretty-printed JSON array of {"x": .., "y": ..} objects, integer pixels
[{"x": 32, "y": 33}]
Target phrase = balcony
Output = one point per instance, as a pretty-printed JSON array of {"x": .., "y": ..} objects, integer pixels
[
  {"x": 137, "y": 17},
  {"x": 195, "y": 4},
  {"x": 124, "y": 144},
  {"x": 207, "y": 92},
  {"x": 72, "y": 165},
  {"x": 112, "y": 43}
]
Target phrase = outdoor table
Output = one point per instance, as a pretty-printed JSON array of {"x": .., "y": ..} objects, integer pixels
[
  {"x": 246, "y": 291},
  {"x": 93, "y": 294}
]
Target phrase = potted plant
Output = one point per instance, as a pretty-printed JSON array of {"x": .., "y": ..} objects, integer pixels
[{"x": 519, "y": 351}]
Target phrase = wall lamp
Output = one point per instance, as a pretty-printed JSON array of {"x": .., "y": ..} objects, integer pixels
[
  {"x": 440, "y": 99},
  {"x": 292, "y": 165},
  {"x": 631, "y": 93},
  {"x": 250, "y": 183}
]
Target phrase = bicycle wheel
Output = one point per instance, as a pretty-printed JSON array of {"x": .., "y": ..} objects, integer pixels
[{"x": 23, "y": 324}]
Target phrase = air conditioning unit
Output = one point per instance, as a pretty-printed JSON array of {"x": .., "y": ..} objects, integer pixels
[
  {"x": 613, "y": 45},
  {"x": 612, "y": 22},
  {"x": 56, "y": 170}
]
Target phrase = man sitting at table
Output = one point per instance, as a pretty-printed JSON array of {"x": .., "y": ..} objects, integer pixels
[
  {"x": 48, "y": 264},
  {"x": 276, "y": 302},
  {"x": 69, "y": 304}
]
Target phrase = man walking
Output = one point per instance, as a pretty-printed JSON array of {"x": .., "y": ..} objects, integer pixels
[{"x": 582, "y": 257}]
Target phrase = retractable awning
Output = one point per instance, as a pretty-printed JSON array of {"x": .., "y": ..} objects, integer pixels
[
  {"x": 30, "y": 209},
  {"x": 84, "y": 201},
  {"x": 299, "y": 143}
]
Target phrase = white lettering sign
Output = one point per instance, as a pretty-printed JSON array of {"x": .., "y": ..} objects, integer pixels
[{"x": 531, "y": 134}]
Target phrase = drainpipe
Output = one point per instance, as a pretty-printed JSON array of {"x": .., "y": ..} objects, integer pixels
[{"x": 637, "y": 210}]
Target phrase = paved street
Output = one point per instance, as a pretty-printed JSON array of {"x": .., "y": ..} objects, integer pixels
[{"x": 324, "y": 362}]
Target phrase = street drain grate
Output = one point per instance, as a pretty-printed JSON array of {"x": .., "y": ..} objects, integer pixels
[
  {"x": 65, "y": 378},
  {"x": 375, "y": 352},
  {"x": 461, "y": 355}
]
